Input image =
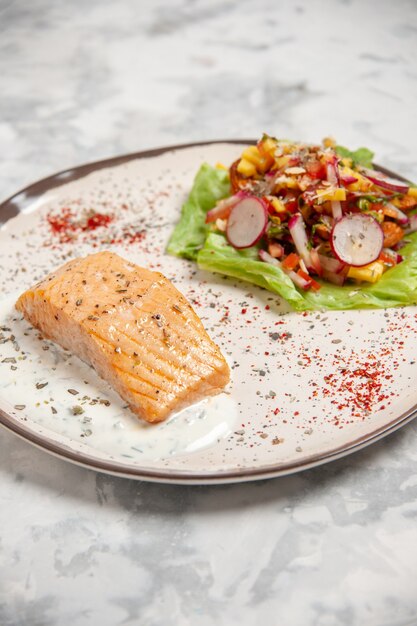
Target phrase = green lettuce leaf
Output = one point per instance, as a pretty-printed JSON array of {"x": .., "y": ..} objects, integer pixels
[
  {"x": 361, "y": 156},
  {"x": 398, "y": 286},
  {"x": 210, "y": 185},
  {"x": 193, "y": 239}
]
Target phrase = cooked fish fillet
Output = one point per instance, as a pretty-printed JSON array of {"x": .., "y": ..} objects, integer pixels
[{"x": 134, "y": 327}]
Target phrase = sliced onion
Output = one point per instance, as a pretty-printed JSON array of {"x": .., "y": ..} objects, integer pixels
[
  {"x": 336, "y": 209},
  {"x": 298, "y": 233},
  {"x": 299, "y": 281},
  {"x": 412, "y": 224},
  {"x": 332, "y": 171},
  {"x": 247, "y": 222},
  {"x": 357, "y": 239},
  {"x": 223, "y": 207},
  {"x": 267, "y": 258},
  {"x": 331, "y": 265},
  {"x": 401, "y": 217},
  {"x": 385, "y": 182},
  {"x": 316, "y": 262},
  {"x": 397, "y": 258}
]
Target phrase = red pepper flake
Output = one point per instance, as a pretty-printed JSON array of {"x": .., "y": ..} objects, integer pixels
[
  {"x": 97, "y": 220},
  {"x": 357, "y": 389},
  {"x": 69, "y": 225},
  {"x": 243, "y": 311}
]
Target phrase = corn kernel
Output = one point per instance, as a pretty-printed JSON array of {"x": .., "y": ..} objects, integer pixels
[
  {"x": 278, "y": 205},
  {"x": 282, "y": 162},
  {"x": 329, "y": 142},
  {"x": 362, "y": 183},
  {"x": 269, "y": 145},
  {"x": 246, "y": 168},
  {"x": 412, "y": 192},
  {"x": 338, "y": 194},
  {"x": 369, "y": 273},
  {"x": 220, "y": 166},
  {"x": 251, "y": 154},
  {"x": 261, "y": 162}
]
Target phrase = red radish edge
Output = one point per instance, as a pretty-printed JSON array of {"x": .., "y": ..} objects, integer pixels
[
  {"x": 332, "y": 170},
  {"x": 247, "y": 222},
  {"x": 348, "y": 180},
  {"x": 385, "y": 182},
  {"x": 223, "y": 207}
]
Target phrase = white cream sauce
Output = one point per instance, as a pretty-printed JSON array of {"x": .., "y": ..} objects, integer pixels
[{"x": 95, "y": 415}]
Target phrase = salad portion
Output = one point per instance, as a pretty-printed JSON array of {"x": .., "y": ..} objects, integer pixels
[
  {"x": 316, "y": 213},
  {"x": 316, "y": 224}
]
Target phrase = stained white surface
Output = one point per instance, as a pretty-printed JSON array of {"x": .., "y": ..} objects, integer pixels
[{"x": 336, "y": 545}]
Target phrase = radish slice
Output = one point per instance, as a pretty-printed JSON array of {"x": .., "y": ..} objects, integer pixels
[
  {"x": 357, "y": 239},
  {"x": 247, "y": 222},
  {"x": 298, "y": 233},
  {"x": 331, "y": 265},
  {"x": 223, "y": 207},
  {"x": 385, "y": 182}
]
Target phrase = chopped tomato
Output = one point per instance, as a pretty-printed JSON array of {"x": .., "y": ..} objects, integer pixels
[
  {"x": 392, "y": 234},
  {"x": 387, "y": 259},
  {"x": 291, "y": 261},
  {"x": 311, "y": 282},
  {"x": 275, "y": 250},
  {"x": 405, "y": 203},
  {"x": 315, "y": 169}
]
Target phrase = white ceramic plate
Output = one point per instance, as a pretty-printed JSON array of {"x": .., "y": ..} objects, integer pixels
[{"x": 306, "y": 388}]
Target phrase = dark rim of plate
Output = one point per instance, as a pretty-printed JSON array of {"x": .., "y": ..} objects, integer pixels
[{"x": 10, "y": 208}]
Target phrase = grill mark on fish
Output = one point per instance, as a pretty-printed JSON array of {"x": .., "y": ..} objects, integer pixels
[
  {"x": 186, "y": 354},
  {"x": 155, "y": 371}
]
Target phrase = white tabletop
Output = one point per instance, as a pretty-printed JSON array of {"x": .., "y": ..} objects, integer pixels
[{"x": 337, "y": 545}]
